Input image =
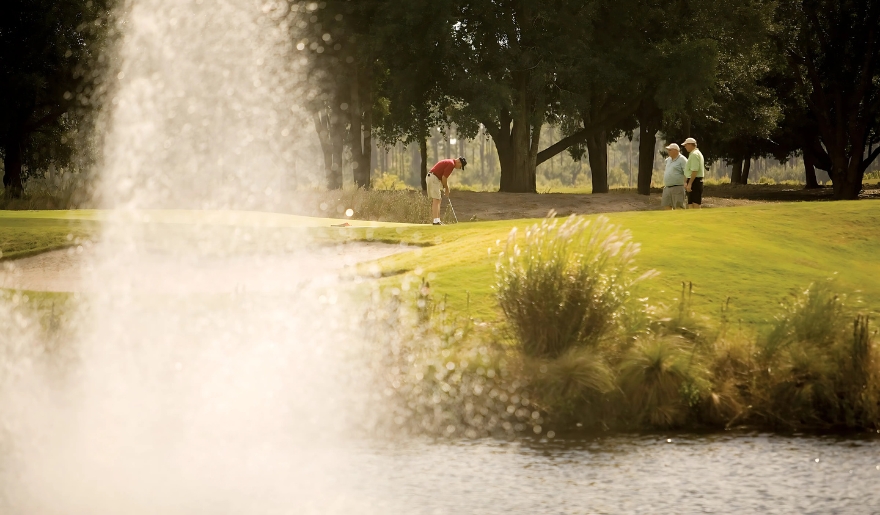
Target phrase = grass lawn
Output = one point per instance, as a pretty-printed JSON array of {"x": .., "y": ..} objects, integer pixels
[
  {"x": 25, "y": 233},
  {"x": 755, "y": 255}
]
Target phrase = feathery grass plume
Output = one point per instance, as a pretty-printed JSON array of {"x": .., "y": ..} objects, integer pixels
[
  {"x": 661, "y": 379},
  {"x": 567, "y": 284}
]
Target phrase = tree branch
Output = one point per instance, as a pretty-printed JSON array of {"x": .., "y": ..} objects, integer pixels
[
  {"x": 48, "y": 118},
  {"x": 595, "y": 127},
  {"x": 871, "y": 157}
]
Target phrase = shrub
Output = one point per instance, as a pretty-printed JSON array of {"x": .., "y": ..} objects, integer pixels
[
  {"x": 817, "y": 364},
  {"x": 660, "y": 380},
  {"x": 568, "y": 285},
  {"x": 574, "y": 386}
]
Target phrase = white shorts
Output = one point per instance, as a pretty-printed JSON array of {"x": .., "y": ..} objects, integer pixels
[{"x": 434, "y": 186}]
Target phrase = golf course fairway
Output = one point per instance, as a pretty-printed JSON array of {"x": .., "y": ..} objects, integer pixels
[
  {"x": 756, "y": 255},
  {"x": 753, "y": 255}
]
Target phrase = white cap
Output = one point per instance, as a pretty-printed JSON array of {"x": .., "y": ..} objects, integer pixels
[
  {"x": 691, "y": 141},
  {"x": 673, "y": 146}
]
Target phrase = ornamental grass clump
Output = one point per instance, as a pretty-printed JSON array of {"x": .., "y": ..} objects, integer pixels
[
  {"x": 566, "y": 284},
  {"x": 818, "y": 365}
]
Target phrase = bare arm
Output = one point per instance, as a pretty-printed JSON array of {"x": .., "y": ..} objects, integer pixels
[
  {"x": 445, "y": 185},
  {"x": 690, "y": 180}
]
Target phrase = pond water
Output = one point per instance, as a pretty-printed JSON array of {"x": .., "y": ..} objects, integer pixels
[{"x": 729, "y": 473}]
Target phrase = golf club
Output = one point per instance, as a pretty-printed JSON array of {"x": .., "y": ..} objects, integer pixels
[{"x": 453, "y": 209}]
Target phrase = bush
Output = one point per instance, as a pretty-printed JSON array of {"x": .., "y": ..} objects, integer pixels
[
  {"x": 818, "y": 365},
  {"x": 574, "y": 387},
  {"x": 567, "y": 286},
  {"x": 660, "y": 379}
]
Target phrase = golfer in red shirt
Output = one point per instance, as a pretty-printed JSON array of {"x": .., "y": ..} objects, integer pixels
[{"x": 437, "y": 178}]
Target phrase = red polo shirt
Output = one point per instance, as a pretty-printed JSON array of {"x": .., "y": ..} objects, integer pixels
[{"x": 443, "y": 168}]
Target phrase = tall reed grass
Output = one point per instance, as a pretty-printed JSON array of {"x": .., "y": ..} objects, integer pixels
[
  {"x": 402, "y": 206},
  {"x": 566, "y": 285}
]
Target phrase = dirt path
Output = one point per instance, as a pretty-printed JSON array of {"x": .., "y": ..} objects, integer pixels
[{"x": 79, "y": 271}]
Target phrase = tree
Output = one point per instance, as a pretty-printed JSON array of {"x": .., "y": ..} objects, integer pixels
[
  {"x": 501, "y": 65},
  {"x": 342, "y": 69},
  {"x": 412, "y": 41},
  {"x": 48, "y": 78},
  {"x": 732, "y": 112},
  {"x": 629, "y": 71},
  {"x": 832, "y": 50}
]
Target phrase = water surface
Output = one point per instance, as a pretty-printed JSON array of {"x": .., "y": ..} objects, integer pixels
[{"x": 741, "y": 473}]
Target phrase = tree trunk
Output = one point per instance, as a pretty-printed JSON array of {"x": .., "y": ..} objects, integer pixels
[
  {"x": 737, "y": 173},
  {"x": 647, "y": 143},
  {"x": 846, "y": 177},
  {"x": 361, "y": 127},
  {"x": 337, "y": 140},
  {"x": 649, "y": 124},
  {"x": 597, "y": 150},
  {"x": 415, "y": 164},
  {"x": 517, "y": 138},
  {"x": 322, "y": 126},
  {"x": 482, "y": 159},
  {"x": 12, "y": 160},
  {"x": 747, "y": 167},
  {"x": 423, "y": 154},
  {"x": 810, "y": 168}
]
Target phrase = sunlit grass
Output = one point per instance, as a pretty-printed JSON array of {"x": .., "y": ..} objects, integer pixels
[
  {"x": 753, "y": 255},
  {"x": 25, "y": 233}
]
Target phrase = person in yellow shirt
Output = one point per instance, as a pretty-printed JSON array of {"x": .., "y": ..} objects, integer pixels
[{"x": 694, "y": 172}]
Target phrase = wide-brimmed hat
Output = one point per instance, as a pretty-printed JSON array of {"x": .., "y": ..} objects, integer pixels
[
  {"x": 463, "y": 162},
  {"x": 690, "y": 141}
]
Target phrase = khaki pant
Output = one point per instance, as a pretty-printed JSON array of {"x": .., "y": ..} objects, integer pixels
[
  {"x": 434, "y": 186},
  {"x": 674, "y": 197}
]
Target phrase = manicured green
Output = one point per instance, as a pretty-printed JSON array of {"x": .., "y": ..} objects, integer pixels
[
  {"x": 756, "y": 255},
  {"x": 25, "y": 233}
]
